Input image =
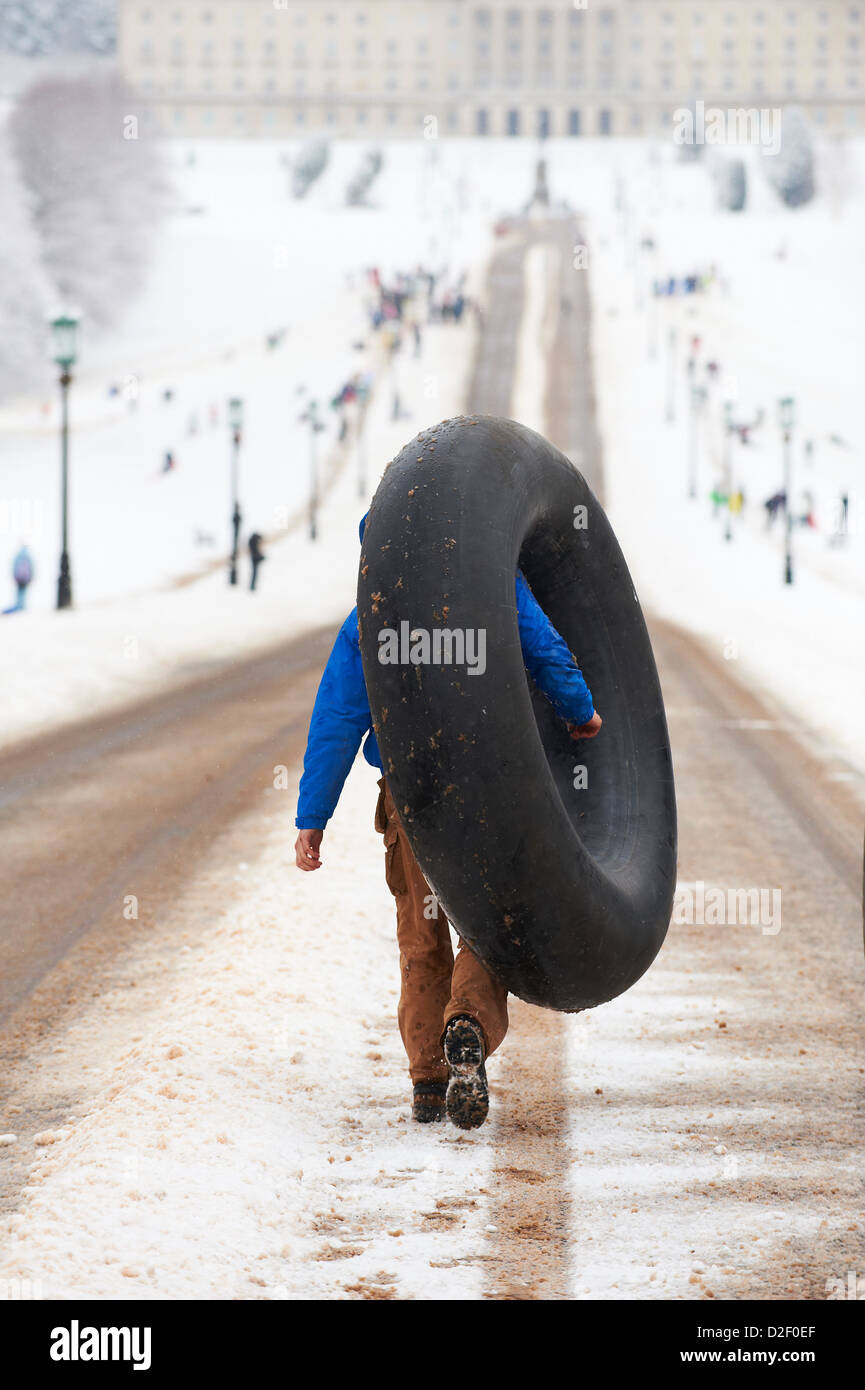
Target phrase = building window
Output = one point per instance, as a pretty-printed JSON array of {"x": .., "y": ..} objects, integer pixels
[
  {"x": 573, "y": 122},
  {"x": 543, "y": 124},
  {"x": 605, "y": 122},
  {"x": 482, "y": 123},
  {"x": 512, "y": 122}
]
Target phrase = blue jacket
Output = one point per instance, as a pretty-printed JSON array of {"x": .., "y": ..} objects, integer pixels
[{"x": 341, "y": 715}]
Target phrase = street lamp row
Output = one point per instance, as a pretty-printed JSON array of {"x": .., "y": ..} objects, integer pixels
[{"x": 64, "y": 329}]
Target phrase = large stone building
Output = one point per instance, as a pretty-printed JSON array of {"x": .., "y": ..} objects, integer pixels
[{"x": 571, "y": 68}]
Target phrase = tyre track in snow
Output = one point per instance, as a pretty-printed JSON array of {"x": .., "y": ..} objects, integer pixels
[
  {"x": 128, "y": 804},
  {"x": 760, "y": 806},
  {"x": 530, "y": 1209}
]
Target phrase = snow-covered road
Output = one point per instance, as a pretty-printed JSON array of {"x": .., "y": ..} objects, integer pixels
[{"x": 241, "y": 1127}]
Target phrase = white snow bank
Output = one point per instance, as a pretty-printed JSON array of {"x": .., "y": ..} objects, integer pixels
[{"x": 245, "y": 1130}]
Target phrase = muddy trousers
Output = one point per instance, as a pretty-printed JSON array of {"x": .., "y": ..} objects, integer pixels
[{"x": 434, "y": 987}]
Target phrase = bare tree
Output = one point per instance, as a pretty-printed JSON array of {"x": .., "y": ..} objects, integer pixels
[
  {"x": 96, "y": 186},
  {"x": 51, "y": 26},
  {"x": 25, "y": 294}
]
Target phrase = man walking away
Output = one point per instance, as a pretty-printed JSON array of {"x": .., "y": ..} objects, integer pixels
[
  {"x": 22, "y": 573},
  {"x": 452, "y": 1013},
  {"x": 256, "y": 555}
]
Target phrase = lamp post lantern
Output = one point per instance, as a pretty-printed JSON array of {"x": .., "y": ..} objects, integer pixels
[
  {"x": 64, "y": 330},
  {"x": 787, "y": 421},
  {"x": 235, "y": 424}
]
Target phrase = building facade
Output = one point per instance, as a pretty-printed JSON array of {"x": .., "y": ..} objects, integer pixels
[{"x": 373, "y": 68}]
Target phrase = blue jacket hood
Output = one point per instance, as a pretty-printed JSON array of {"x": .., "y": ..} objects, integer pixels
[{"x": 362, "y": 526}]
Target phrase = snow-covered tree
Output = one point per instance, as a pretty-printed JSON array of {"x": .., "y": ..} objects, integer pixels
[
  {"x": 25, "y": 295},
  {"x": 791, "y": 170},
  {"x": 310, "y": 164},
  {"x": 51, "y": 26},
  {"x": 96, "y": 188},
  {"x": 364, "y": 177},
  {"x": 731, "y": 183}
]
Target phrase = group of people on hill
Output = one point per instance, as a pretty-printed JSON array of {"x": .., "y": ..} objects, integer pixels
[{"x": 416, "y": 297}]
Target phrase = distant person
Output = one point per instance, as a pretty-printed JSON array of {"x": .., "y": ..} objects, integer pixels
[
  {"x": 256, "y": 556},
  {"x": 168, "y": 464},
  {"x": 22, "y": 573},
  {"x": 774, "y": 504}
]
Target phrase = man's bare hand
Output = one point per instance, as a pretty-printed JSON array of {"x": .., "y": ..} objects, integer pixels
[
  {"x": 586, "y": 730},
  {"x": 306, "y": 848}
]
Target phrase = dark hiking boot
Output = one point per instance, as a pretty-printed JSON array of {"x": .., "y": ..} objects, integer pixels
[
  {"x": 468, "y": 1098},
  {"x": 428, "y": 1103}
]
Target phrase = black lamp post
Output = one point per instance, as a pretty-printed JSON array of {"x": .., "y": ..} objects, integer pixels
[
  {"x": 65, "y": 343},
  {"x": 672, "y": 343},
  {"x": 787, "y": 420},
  {"x": 235, "y": 424},
  {"x": 310, "y": 417},
  {"x": 363, "y": 394},
  {"x": 698, "y": 400},
  {"x": 728, "y": 467}
]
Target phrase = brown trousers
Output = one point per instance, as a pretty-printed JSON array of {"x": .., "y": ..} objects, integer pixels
[{"x": 434, "y": 987}]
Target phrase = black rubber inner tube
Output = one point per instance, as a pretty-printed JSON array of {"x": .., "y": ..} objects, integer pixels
[{"x": 565, "y": 892}]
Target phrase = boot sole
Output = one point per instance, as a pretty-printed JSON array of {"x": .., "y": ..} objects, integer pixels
[{"x": 468, "y": 1099}]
